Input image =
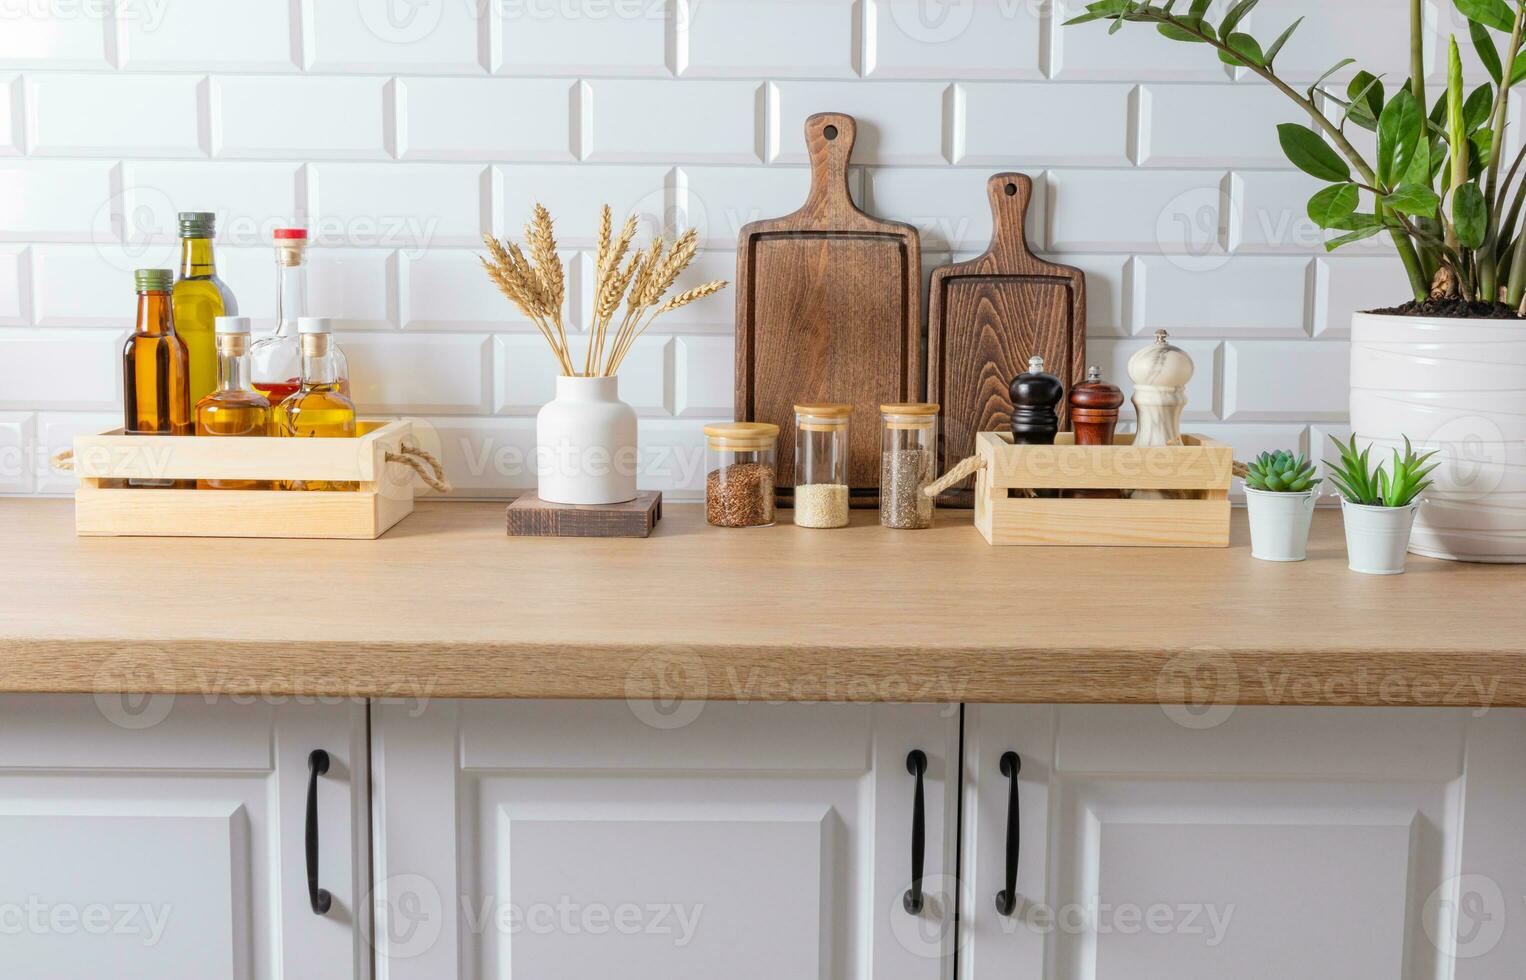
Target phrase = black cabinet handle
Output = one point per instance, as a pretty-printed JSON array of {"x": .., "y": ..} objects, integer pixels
[
  {"x": 317, "y": 765},
  {"x": 916, "y": 764},
  {"x": 1006, "y": 899}
]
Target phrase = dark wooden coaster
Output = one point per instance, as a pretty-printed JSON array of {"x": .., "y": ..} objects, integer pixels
[{"x": 530, "y": 516}]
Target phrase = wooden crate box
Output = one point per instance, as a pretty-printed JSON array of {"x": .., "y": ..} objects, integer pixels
[
  {"x": 105, "y": 505},
  {"x": 1198, "y": 472}
]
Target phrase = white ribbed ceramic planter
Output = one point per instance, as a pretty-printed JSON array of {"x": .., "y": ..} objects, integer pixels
[
  {"x": 1279, "y": 523},
  {"x": 1457, "y": 386},
  {"x": 585, "y": 444}
]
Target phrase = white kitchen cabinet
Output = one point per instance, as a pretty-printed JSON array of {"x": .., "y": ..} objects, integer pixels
[
  {"x": 529, "y": 840},
  {"x": 163, "y": 838},
  {"x": 1360, "y": 844}
]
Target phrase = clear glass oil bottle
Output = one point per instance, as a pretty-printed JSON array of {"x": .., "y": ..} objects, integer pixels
[
  {"x": 200, "y": 297},
  {"x": 155, "y": 369},
  {"x": 233, "y": 408},
  {"x": 277, "y": 359},
  {"x": 319, "y": 408}
]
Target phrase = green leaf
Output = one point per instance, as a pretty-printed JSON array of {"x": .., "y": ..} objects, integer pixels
[
  {"x": 1482, "y": 143},
  {"x": 1399, "y": 129},
  {"x": 1333, "y": 204},
  {"x": 1478, "y": 107},
  {"x": 1249, "y": 49},
  {"x": 1366, "y": 94},
  {"x": 1470, "y": 214},
  {"x": 1276, "y": 48},
  {"x": 1419, "y": 171},
  {"x": 1414, "y": 199},
  {"x": 1490, "y": 13},
  {"x": 1311, "y": 154},
  {"x": 1487, "y": 52},
  {"x": 1518, "y": 73},
  {"x": 1354, "y": 236},
  {"x": 1102, "y": 10},
  {"x": 1177, "y": 34},
  {"x": 1232, "y": 19},
  {"x": 1331, "y": 71}
]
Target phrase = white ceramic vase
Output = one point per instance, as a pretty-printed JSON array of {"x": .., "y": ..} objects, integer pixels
[
  {"x": 1279, "y": 523},
  {"x": 585, "y": 444},
  {"x": 1459, "y": 387},
  {"x": 1377, "y": 538}
]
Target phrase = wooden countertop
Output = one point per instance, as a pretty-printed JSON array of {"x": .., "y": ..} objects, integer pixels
[{"x": 446, "y": 605}]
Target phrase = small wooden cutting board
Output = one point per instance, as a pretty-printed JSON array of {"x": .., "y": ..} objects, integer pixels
[
  {"x": 987, "y": 316},
  {"x": 828, "y": 310}
]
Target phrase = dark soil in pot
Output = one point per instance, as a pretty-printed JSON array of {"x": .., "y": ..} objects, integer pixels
[{"x": 1453, "y": 308}]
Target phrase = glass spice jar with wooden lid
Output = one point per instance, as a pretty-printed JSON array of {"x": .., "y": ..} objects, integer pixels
[
  {"x": 821, "y": 464},
  {"x": 741, "y": 462},
  {"x": 908, "y": 457}
]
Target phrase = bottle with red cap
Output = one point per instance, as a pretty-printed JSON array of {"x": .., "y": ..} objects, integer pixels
[{"x": 277, "y": 360}]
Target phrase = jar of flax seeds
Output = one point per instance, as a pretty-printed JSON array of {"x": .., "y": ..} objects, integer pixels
[{"x": 741, "y": 464}]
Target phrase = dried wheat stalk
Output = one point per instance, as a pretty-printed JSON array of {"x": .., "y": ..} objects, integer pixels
[{"x": 537, "y": 285}]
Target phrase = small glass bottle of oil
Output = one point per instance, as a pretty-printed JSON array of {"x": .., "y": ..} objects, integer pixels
[
  {"x": 234, "y": 408},
  {"x": 319, "y": 407},
  {"x": 155, "y": 370},
  {"x": 200, "y": 297}
]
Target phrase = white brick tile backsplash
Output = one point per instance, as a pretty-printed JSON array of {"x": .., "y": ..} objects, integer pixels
[
  {"x": 1204, "y": 125},
  {"x": 112, "y": 115},
  {"x": 674, "y": 121},
  {"x": 444, "y": 119},
  {"x": 54, "y": 433},
  {"x": 1243, "y": 295},
  {"x": 1112, "y": 356},
  {"x": 972, "y": 39},
  {"x": 786, "y": 38},
  {"x": 37, "y": 35},
  {"x": 210, "y": 36},
  {"x": 249, "y": 199},
  {"x": 1176, "y": 212},
  {"x": 574, "y": 195},
  {"x": 399, "y": 132},
  {"x": 379, "y": 36},
  {"x": 54, "y": 200},
  {"x": 15, "y": 452},
  {"x": 1022, "y": 124},
  {"x": 15, "y": 286},
  {"x": 61, "y": 369},
  {"x": 398, "y": 205},
  {"x": 1348, "y": 285},
  {"x": 624, "y": 38},
  {"x": 704, "y": 378},
  {"x": 1278, "y": 381},
  {"x": 307, "y": 118},
  {"x": 434, "y": 374},
  {"x": 898, "y": 122}
]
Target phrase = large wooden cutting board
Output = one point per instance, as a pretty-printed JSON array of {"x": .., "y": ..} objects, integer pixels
[
  {"x": 828, "y": 309},
  {"x": 986, "y": 317}
]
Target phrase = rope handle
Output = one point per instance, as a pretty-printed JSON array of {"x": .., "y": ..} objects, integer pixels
[
  {"x": 962, "y": 470},
  {"x": 62, "y": 460},
  {"x": 416, "y": 459}
]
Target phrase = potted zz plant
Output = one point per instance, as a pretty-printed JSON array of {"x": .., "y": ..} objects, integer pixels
[
  {"x": 1378, "y": 505},
  {"x": 1449, "y": 361},
  {"x": 1280, "y": 491},
  {"x": 585, "y": 439}
]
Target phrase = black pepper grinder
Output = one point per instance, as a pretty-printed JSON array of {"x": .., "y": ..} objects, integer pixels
[{"x": 1035, "y": 393}]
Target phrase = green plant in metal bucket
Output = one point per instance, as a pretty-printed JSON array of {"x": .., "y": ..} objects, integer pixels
[
  {"x": 1362, "y": 483},
  {"x": 1281, "y": 472}
]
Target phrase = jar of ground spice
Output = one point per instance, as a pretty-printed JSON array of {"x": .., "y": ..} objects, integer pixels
[
  {"x": 821, "y": 464},
  {"x": 908, "y": 455},
  {"x": 740, "y": 460}
]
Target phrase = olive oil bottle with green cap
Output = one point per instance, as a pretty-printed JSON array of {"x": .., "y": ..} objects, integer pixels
[{"x": 200, "y": 297}]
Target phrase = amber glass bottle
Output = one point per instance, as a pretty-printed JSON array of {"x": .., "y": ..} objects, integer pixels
[
  {"x": 319, "y": 407},
  {"x": 233, "y": 408},
  {"x": 200, "y": 297},
  {"x": 155, "y": 378}
]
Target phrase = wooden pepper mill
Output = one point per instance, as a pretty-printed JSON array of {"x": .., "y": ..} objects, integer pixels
[
  {"x": 1160, "y": 374},
  {"x": 1035, "y": 395},
  {"x": 1094, "y": 408}
]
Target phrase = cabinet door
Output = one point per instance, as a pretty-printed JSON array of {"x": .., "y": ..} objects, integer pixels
[
  {"x": 531, "y": 839},
  {"x": 163, "y": 838},
  {"x": 1364, "y": 844}
]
